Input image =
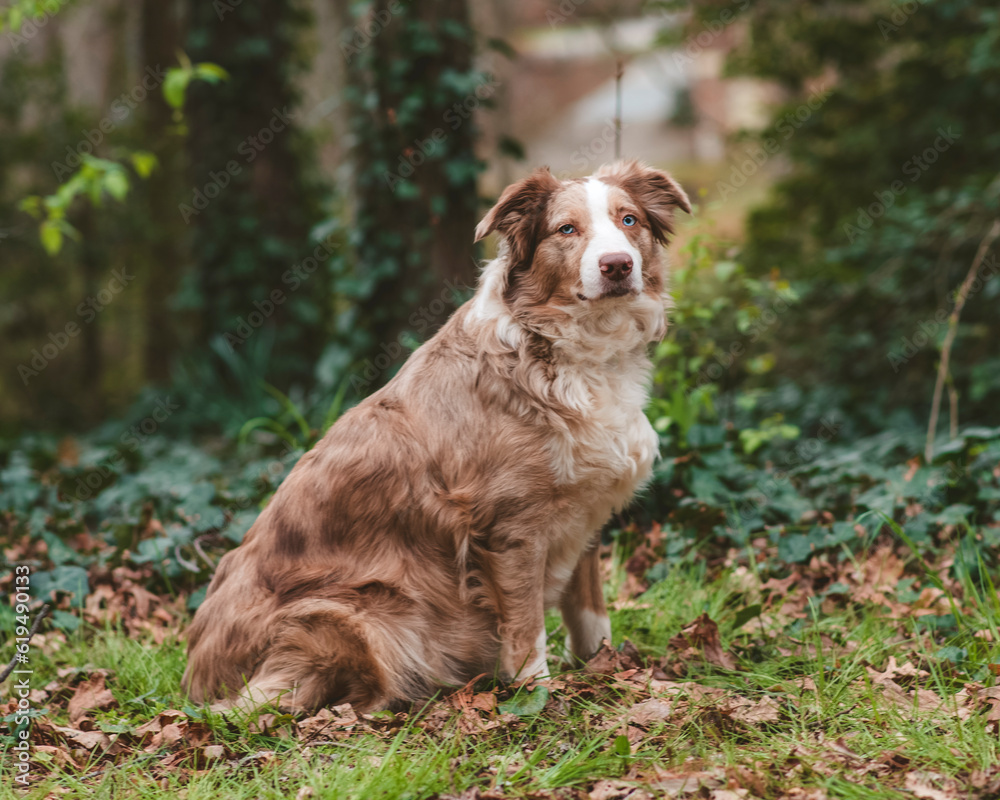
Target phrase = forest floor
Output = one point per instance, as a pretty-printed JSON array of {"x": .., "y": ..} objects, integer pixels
[{"x": 853, "y": 675}]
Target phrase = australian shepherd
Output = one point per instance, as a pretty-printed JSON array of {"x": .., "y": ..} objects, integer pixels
[{"x": 419, "y": 544}]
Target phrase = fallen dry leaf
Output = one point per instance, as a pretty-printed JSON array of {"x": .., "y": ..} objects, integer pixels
[
  {"x": 58, "y": 754},
  {"x": 87, "y": 740},
  {"x": 919, "y": 784},
  {"x": 609, "y": 661},
  {"x": 212, "y": 753},
  {"x": 649, "y": 711},
  {"x": 897, "y": 673},
  {"x": 766, "y": 709},
  {"x": 327, "y": 723},
  {"x": 90, "y": 695},
  {"x": 701, "y": 637},
  {"x": 804, "y": 794},
  {"x": 616, "y": 790},
  {"x": 681, "y": 784}
]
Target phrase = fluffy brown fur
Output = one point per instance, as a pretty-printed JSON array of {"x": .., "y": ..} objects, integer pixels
[{"x": 420, "y": 542}]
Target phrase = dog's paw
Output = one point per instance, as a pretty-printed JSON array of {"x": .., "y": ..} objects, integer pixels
[
  {"x": 532, "y": 664},
  {"x": 538, "y": 669}
]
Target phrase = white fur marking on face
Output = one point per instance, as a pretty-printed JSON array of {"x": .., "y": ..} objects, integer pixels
[{"x": 605, "y": 237}]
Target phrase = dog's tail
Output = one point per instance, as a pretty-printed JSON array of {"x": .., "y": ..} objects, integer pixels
[
  {"x": 313, "y": 653},
  {"x": 317, "y": 655}
]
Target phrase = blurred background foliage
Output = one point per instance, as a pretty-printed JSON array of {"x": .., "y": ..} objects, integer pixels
[{"x": 297, "y": 187}]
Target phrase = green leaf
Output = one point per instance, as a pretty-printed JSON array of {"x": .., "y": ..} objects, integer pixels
[
  {"x": 144, "y": 163},
  {"x": 72, "y": 580},
  {"x": 746, "y": 614},
  {"x": 211, "y": 73},
  {"x": 175, "y": 86},
  {"x": 956, "y": 655},
  {"x": 239, "y": 525},
  {"x": 622, "y": 746},
  {"x": 955, "y": 514},
  {"x": 526, "y": 705},
  {"x": 51, "y": 237},
  {"x": 32, "y": 205},
  {"x": 58, "y": 552},
  {"x": 65, "y": 621},
  {"x": 333, "y": 412},
  {"x": 66, "y": 228},
  {"x": 197, "y": 598},
  {"x": 291, "y": 408},
  {"x": 154, "y": 550},
  {"x": 269, "y": 424},
  {"x": 794, "y": 547},
  {"x": 116, "y": 184}
]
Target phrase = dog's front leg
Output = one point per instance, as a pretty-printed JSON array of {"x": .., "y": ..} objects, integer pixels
[
  {"x": 519, "y": 571},
  {"x": 583, "y": 610}
]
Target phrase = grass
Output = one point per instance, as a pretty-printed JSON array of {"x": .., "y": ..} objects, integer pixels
[{"x": 842, "y": 739}]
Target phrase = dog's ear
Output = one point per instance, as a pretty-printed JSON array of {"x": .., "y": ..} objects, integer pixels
[
  {"x": 654, "y": 190},
  {"x": 518, "y": 212}
]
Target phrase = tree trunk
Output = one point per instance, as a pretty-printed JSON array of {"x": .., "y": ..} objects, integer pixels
[
  {"x": 160, "y": 38},
  {"x": 415, "y": 97},
  {"x": 251, "y": 188}
]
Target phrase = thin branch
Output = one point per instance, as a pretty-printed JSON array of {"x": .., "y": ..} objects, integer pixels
[
  {"x": 204, "y": 556},
  {"x": 34, "y": 629},
  {"x": 949, "y": 339},
  {"x": 952, "y": 407},
  {"x": 619, "y": 73},
  {"x": 190, "y": 566}
]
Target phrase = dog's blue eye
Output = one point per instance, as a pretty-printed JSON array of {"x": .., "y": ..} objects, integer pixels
[
  {"x": 629, "y": 220},
  {"x": 567, "y": 229}
]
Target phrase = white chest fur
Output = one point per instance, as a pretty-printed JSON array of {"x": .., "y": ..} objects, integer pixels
[{"x": 608, "y": 442}]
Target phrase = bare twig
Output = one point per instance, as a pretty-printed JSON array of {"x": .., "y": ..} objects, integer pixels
[
  {"x": 949, "y": 339},
  {"x": 204, "y": 556},
  {"x": 619, "y": 73},
  {"x": 190, "y": 566},
  {"x": 34, "y": 629},
  {"x": 952, "y": 407}
]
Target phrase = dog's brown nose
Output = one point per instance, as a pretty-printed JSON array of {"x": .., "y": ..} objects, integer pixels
[{"x": 615, "y": 266}]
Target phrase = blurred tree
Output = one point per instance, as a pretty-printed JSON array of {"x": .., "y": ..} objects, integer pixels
[
  {"x": 52, "y": 365},
  {"x": 890, "y": 129},
  {"x": 160, "y": 39},
  {"x": 251, "y": 196},
  {"x": 413, "y": 94}
]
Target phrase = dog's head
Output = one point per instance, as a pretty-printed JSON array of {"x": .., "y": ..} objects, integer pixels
[{"x": 581, "y": 247}]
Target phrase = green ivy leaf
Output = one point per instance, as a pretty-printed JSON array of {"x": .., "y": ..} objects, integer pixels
[
  {"x": 197, "y": 598},
  {"x": 72, "y": 580},
  {"x": 526, "y": 705},
  {"x": 746, "y": 614},
  {"x": 65, "y": 621}
]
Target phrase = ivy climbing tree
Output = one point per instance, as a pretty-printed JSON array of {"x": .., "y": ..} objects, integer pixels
[
  {"x": 878, "y": 229},
  {"x": 413, "y": 95},
  {"x": 252, "y": 197}
]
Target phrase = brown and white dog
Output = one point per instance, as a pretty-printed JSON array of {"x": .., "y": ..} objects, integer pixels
[{"x": 419, "y": 544}]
